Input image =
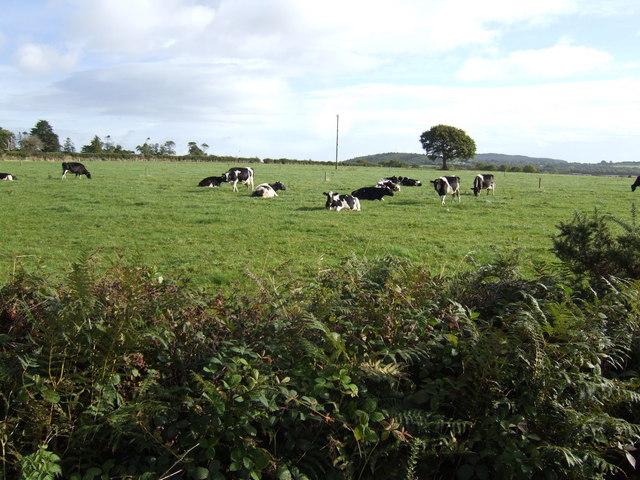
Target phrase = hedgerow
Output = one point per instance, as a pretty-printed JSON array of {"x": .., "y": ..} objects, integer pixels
[{"x": 376, "y": 369}]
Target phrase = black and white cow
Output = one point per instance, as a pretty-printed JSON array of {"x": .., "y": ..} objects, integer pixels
[
  {"x": 410, "y": 182},
  {"x": 449, "y": 185},
  {"x": 268, "y": 190},
  {"x": 211, "y": 181},
  {"x": 635, "y": 184},
  {"x": 388, "y": 182},
  {"x": 239, "y": 175},
  {"x": 372, "y": 193},
  {"x": 7, "y": 176},
  {"x": 74, "y": 167},
  {"x": 485, "y": 181},
  {"x": 337, "y": 202},
  {"x": 404, "y": 181}
]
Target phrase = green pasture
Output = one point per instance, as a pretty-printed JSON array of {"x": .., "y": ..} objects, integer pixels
[{"x": 154, "y": 213}]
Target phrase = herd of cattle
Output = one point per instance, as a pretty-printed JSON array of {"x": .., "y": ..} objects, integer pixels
[
  {"x": 445, "y": 185},
  {"x": 448, "y": 185}
]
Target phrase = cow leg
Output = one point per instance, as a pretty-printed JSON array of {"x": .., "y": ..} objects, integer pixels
[{"x": 64, "y": 174}]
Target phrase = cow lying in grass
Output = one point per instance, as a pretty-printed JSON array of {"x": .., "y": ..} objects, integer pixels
[
  {"x": 268, "y": 190},
  {"x": 337, "y": 202},
  {"x": 211, "y": 181}
]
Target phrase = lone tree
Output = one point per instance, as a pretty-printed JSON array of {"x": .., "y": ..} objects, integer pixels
[
  {"x": 44, "y": 131},
  {"x": 447, "y": 143}
]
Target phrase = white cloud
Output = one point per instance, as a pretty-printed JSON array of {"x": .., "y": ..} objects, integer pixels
[
  {"x": 556, "y": 62},
  {"x": 36, "y": 58},
  {"x": 268, "y": 77},
  {"x": 137, "y": 28}
]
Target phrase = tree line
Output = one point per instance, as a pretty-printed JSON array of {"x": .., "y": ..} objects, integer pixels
[{"x": 42, "y": 139}]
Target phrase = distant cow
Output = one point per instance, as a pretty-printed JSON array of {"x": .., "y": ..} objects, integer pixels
[
  {"x": 7, "y": 176},
  {"x": 486, "y": 181},
  {"x": 388, "y": 182},
  {"x": 404, "y": 181},
  {"x": 211, "y": 181},
  {"x": 338, "y": 202},
  {"x": 239, "y": 175},
  {"x": 447, "y": 186},
  {"x": 410, "y": 182},
  {"x": 372, "y": 193},
  {"x": 74, "y": 167},
  {"x": 635, "y": 184},
  {"x": 268, "y": 190}
]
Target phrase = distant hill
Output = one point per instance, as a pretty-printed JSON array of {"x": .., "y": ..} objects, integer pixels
[
  {"x": 408, "y": 158},
  {"x": 493, "y": 158},
  {"x": 501, "y": 159}
]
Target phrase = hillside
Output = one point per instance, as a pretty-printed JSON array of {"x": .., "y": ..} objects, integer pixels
[
  {"x": 501, "y": 159},
  {"x": 486, "y": 161},
  {"x": 495, "y": 158}
]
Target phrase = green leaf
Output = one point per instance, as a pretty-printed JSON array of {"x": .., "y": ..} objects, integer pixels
[
  {"x": 200, "y": 473},
  {"x": 92, "y": 473},
  {"x": 50, "y": 396},
  {"x": 283, "y": 473}
]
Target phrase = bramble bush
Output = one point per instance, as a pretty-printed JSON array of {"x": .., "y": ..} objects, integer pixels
[{"x": 376, "y": 369}]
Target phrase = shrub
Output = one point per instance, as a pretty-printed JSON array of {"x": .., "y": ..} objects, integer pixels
[
  {"x": 587, "y": 246},
  {"x": 377, "y": 369}
]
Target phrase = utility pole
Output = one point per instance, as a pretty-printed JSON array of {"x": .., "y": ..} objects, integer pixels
[{"x": 337, "y": 128}]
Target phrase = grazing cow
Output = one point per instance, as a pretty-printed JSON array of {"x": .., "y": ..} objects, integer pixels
[
  {"x": 7, "y": 176},
  {"x": 387, "y": 182},
  {"x": 239, "y": 175},
  {"x": 211, "y": 181},
  {"x": 372, "y": 193},
  {"x": 486, "y": 182},
  {"x": 338, "y": 202},
  {"x": 635, "y": 184},
  {"x": 268, "y": 190},
  {"x": 74, "y": 167},
  {"x": 447, "y": 186}
]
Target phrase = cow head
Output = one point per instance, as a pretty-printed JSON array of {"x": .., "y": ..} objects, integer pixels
[
  {"x": 278, "y": 186},
  {"x": 330, "y": 198}
]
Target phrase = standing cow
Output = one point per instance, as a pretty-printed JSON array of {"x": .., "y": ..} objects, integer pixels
[
  {"x": 485, "y": 181},
  {"x": 74, "y": 167},
  {"x": 239, "y": 175},
  {"x": 635, "y": 184},
  {"x": 449, "y": 185}
]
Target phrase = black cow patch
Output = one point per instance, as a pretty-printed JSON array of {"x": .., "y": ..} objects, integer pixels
[{"x": 372, "y": 193}]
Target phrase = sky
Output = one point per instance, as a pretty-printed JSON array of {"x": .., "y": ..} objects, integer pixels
[{"x": 286, "y": 78}]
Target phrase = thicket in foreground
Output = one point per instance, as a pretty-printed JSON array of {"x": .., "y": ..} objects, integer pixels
[{"x": 377, "y": 369}]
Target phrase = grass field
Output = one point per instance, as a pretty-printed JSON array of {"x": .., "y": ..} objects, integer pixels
[{"x": 154, "y": 213}]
